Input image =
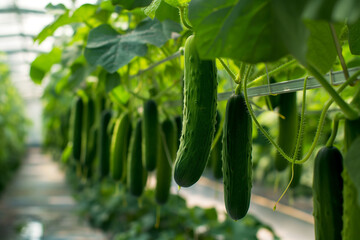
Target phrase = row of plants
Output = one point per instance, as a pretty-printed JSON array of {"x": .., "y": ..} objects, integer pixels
[
  {"x": 120, "y": 76},
  {"x": 13, "y": 124}
]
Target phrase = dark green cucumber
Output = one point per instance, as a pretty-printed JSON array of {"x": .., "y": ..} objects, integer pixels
[
  {"x": 199, "y": 112},
  {"x": 288, "y": 128},
  {"x": 150, "y": 134},
  {"x": 351, "y": 216},
  {"x": 274, "y": 100},
  {"x": 178, "y": 122},
  {"x": 164, "y": 164},
  {"x": 89, "y": 138},
  {"x": 236, "y": 155},
  {"x": 327, "y": 193},
  {"x": 135, "y": 174},
  {"x": 119, "y": 146},
  {"x": 105, "y": 139},
  {"x": 216, "y": 161},
  {"x": 77, "y": 128}
]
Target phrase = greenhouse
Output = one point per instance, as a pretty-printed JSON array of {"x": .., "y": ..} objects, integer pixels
[{"x": 179, "y": 119}]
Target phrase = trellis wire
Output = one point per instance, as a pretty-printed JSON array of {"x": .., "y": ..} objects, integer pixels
[{"x": 294, "y": 85}]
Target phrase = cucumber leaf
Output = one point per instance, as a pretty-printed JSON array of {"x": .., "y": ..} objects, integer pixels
[
  {"x": 112, "y": 50},
  {"x": 43, "y": 63},
  {"x": 354, "y": 37},
  {"x": 243, "y": 30}
]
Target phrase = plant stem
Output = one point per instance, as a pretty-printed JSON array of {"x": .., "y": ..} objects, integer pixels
[
  {"x": 227, "y": 69},
  {"x": 319, "y": 128},
  {"x": 272, "y": 72},
  {"x": 349, "y": 112},
  {"x": 298, "y": 143},
  {"x": 183, "y": 18},
  {"x": 339, "y": 51},
  {"x": 335, "y": 127}
]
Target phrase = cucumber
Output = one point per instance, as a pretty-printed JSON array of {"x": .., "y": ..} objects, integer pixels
[
  {"x": 288, "y": 128},
  {"x": 77, "y": 128},
  {"x": 274, "y": 100},
  {"x": 236, "y": 156},
  {"x": 164, "y": 164},
  {"x": 216, "y": 161},
  {"x": 199, "y": 112},
  {"x": 119, "y": 146},
  {"x": 105, "y": 138},
  {"x": 351, "y": 216},
  {"x": 89, "y": 137},
  {"x": 327, "y": 193},
  {"x": 178, "y": 122},
  {"x": 136, "y": 172},
  {"x": 150, "y": 134}
]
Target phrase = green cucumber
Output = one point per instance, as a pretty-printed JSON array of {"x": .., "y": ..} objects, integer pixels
[
  {"x": 288, "y": 128},
  {"x": 216, "y": 161},
  {"x": 273, "y": 99},
  {"x": 164, "y": 164},
  {"x": 178, "y": 122},
  {"x": 136, "y": 172},
  {"x": 351, "y": 216},
  {"x": 119, "y": 146},
  {"x": 236, "y": 155},
  {"x": 89, "y": 137},
  {"x": 327, "y": 193},
  {"x": 150, "y": 134},
  {"x": 77, "y": 128},
  {"x": 105, "y": 138},
  {"x": 199, "y": 112}
]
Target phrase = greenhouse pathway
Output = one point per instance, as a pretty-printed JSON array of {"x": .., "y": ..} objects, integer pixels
[{"x": 38, "y": 204}]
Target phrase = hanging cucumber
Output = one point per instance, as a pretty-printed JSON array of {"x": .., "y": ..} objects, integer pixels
[
  {"x": 119, "y": 146},
  {"x": 273, "y": 100},
  {"x": 89, "y": 137},
  {"x": 199, "y": 112},
  {"x": 105, "y": 138},
  {"x": 236, "y": 155},
  {"x": 287, "y": 128},
  {"x": 136, "y": 171},
  {"x": 150, "y": 134},
  {"x": 327, "y": 193},
  {"x": 178, "y": 122},
  {"x": 164, "y": 164},
  {"x": 77, "y": 128},
  {"x": 351, "y": 216},
  {"x": 216, "y": 161}
]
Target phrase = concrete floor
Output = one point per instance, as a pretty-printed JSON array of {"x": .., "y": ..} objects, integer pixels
[{"x": 38, "y": 204}]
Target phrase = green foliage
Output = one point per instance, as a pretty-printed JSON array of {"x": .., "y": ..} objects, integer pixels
[
  {"x": 104, "y": 41},
  {"x": 13, "y": 124}
]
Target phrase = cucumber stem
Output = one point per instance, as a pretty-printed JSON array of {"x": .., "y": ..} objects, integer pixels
[
  {"x": 339, "y": 51},
  {"x": 334, "y": 130},
  {"x": 349, "y": 112},
  {"x": 319, "y": 128},
  {"x": 183, "y": 18},
  {"x": 298, "y": 143},
  {"x": 272, "y": 72},
  {"x": 228, "y": 70}
]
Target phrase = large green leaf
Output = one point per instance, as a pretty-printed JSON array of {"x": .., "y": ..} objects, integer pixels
[
  {"x": 112, "y": 80},
  {"x": 82, "y": 14},
  {"x": 243, "y": 30},
  {"x": 43, "y": 63},
  {"x": 111, "y": 50},
  {"x": 321, "y": 50},
  {"x": 354, "y": 37},
  {"x": 352, "y": 165}
]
